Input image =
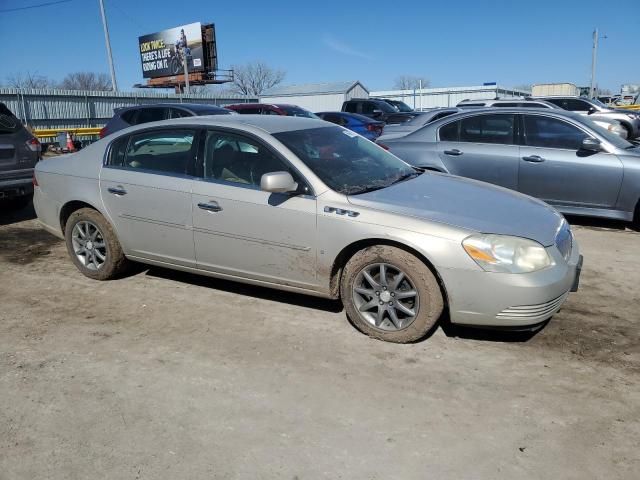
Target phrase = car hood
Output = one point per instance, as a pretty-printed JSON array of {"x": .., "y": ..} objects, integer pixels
[{"x": 467, "y": 204}]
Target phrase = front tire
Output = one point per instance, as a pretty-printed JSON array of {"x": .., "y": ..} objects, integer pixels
[
  {"x": 93, "y": 246},
  {"x": 390, "y": 294}
]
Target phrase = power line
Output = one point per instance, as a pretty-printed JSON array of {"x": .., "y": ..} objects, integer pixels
[{"x": 46, "y": 4}]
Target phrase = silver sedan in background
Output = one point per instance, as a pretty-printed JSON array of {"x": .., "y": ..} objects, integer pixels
[
  {"x": 306, "y": 206},
  {"x": 419, "y": 121},
  {"x": 560, "y": 157}
]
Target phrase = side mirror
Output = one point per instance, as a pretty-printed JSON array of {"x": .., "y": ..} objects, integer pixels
[
  {"x": 376, "y": 112},
  {"x": 278, "y": 182},
  {"x": 591, "y": 110},
  {"x": 591, "y": 145}
]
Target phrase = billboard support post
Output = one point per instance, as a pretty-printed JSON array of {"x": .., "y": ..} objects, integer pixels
[{"x": 185, "y": 62}]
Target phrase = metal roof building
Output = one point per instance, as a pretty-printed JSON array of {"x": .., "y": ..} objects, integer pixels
[
  {"x": 448, "y": 96},
  {"x": 316, "y": 97}
]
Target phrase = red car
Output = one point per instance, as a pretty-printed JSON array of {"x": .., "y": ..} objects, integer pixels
[{"x": 271, "y": 109}]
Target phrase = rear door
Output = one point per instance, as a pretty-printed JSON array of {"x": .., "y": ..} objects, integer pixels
[
  {"x": 483, "y": 147},
  {"x": 555, "y": 169},
  {"x": 146, "y": 188}
]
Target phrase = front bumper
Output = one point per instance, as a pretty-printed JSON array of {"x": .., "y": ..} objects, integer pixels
[{"x": 511, "y": 300}]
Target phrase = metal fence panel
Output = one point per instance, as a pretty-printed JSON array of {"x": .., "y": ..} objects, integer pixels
[{"x": 68, "y": 108}]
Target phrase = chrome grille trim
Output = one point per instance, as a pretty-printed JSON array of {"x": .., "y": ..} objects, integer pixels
[{"x": 534, "y": 311}]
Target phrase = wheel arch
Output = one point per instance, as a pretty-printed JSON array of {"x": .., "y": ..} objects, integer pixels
[
  {"x": 70, "y": 207},
  {"x": 350, "y": 250}
]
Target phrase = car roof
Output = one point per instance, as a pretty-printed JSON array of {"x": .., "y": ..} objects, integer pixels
[
  {"x": 254, "y": 104},
  {"x": 189, "y": 106},
  {"x": 558, "y": 112},
  {"x": 267, "y": 123},
  {"x": 362, "y": 118}
]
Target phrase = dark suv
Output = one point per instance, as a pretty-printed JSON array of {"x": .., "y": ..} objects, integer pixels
[
  {"x": 128, "y": 116},
  {"x": 377, "y": 109},
  {"x": 19, "y": 152}
]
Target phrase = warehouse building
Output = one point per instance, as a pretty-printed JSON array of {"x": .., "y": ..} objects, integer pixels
[
  {"x": 448, "y": 96},
  {"x": 316, "y": 97}
]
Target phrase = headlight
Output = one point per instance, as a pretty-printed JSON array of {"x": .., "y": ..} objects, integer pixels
[
  {"x": 506, "y": 254},
  {"x": 633, "y": 116}
]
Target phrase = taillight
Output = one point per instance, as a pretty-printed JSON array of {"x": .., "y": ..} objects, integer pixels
[
  {"x": 103, "y": 132},
  {"x": 34, "y": 180},
  {"x": 34, "y": 145}
]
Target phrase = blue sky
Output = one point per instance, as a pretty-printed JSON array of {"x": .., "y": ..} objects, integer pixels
[{"x": 451, "y": 43}]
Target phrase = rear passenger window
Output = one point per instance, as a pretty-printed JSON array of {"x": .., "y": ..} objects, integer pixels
[
  {"x": 166, "y": 151},
  {"x": 147, "y": 115},
  {"x": 351, "y": 107},
  {"x": 179, "y": 113},
  {"x": 449, "y": 133},
  {"x": 129, "y": 116},
  {"x": 497, "y": 129},
  {"x": 118, "y": 152}
]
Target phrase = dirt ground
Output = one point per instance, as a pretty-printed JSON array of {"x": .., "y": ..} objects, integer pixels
[{"x": 168, "y": 375}]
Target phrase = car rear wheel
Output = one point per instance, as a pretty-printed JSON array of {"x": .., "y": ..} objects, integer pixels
[
  {"x": 390, "y": 294},
  {"x": 93, "y": 245}
]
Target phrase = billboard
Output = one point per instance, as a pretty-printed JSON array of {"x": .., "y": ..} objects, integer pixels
[{"x": 161, "y": 53}]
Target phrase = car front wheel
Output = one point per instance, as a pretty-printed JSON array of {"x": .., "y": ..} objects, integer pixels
[
  {"x": 93, "y": 245},
  {"x": 390, "y": 294}
]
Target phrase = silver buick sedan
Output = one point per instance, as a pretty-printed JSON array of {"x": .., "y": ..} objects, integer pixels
[{"x": 306, "y": 206}]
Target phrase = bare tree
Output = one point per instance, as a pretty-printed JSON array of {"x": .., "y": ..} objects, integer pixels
[
  {"x": 254, "y": 78},
  {"x": 29, "y": 80},
  {"x": 86, "y": 81},
  {"x": 410, "y": 82}
]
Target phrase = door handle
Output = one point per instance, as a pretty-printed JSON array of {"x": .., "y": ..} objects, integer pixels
[
  {"x": 212, "y": 206},
  {"x": 455, "y": 152},
  {"x": 119, "y": 191},
  {"x": 533, "y": 159}
]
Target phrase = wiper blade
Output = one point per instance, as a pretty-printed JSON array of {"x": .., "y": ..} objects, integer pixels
[{"x": 407, "y": 176}]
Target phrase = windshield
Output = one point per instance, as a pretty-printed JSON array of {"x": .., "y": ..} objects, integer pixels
[
  {"x": 401, "y": 106},
  {"x": 345, "y": 161},
  {"x": 298, "y": 112},
  {"x": 614, "y": 139},
  {"x": 598, "y": 103}
]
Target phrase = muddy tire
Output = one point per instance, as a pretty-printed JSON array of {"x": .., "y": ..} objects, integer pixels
[
  {"x": 93, "y": 246},
  {"x": 390, "y": 294}
]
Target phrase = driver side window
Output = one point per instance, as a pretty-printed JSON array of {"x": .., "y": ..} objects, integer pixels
[
  {"x": 239, "y": 160},
  {"x": 547, "y": 132}
]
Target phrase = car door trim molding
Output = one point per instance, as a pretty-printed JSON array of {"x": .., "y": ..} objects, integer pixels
[
  {"x": 155, "y": 222},
  {"x": 251, "y": 239}
]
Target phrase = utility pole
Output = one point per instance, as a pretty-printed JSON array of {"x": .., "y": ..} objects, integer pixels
[
  {"x": 594, "y": 58},
  {"x": 114, "y": 84}
]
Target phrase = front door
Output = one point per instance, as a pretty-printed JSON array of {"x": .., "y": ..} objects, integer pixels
[
  {"x": 146, "y": 188},
  {"x": 554, "y": 168},
  {"x": 481, "y": 146},
  {"x": 241, "y": 230}
]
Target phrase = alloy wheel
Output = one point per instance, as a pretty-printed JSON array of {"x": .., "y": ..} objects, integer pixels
[
  {"x": 89, "y": 245},
  {"x": 385, "y": 297}
]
